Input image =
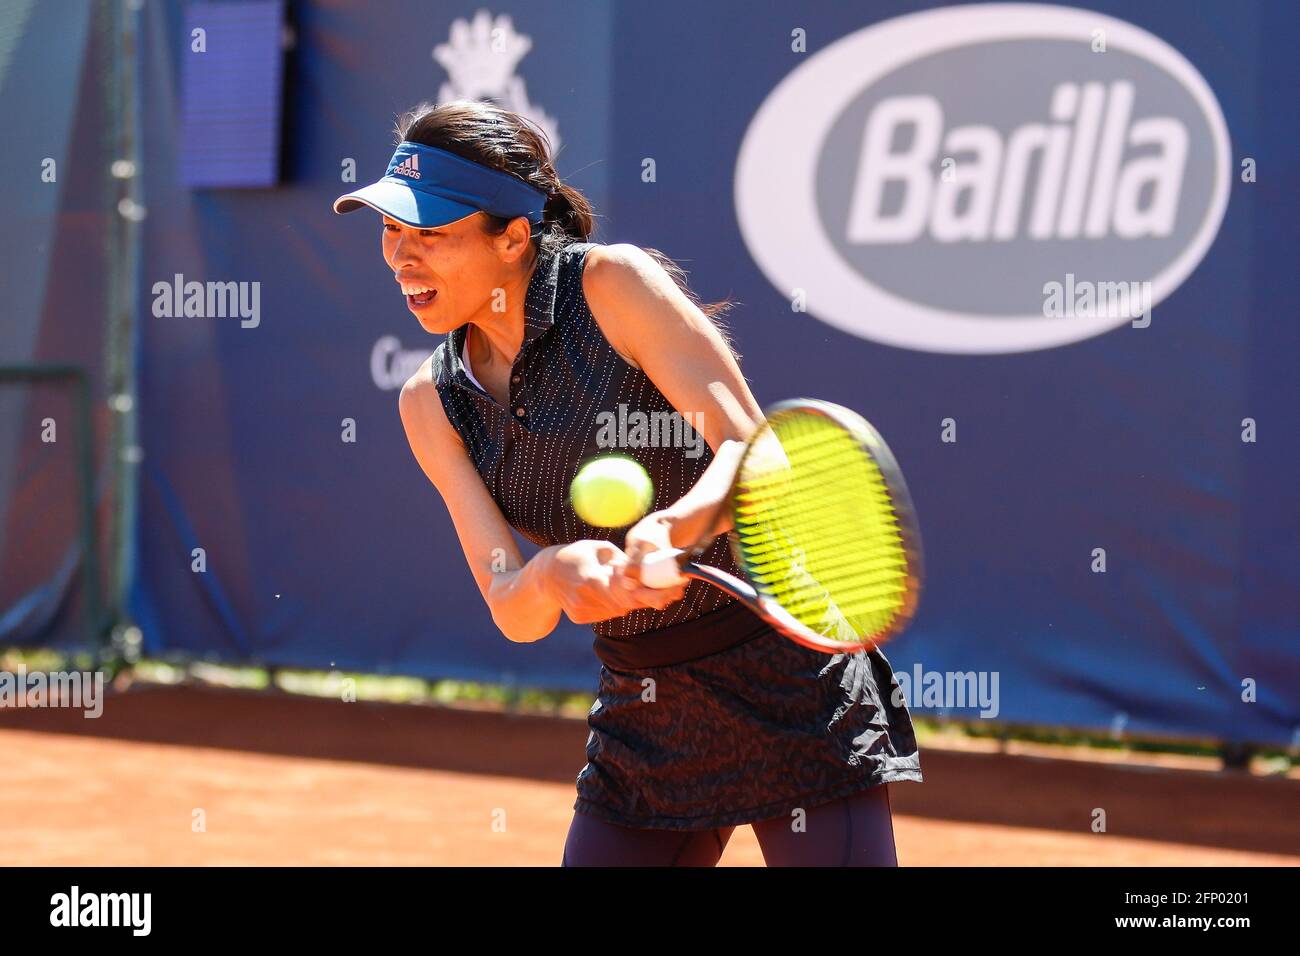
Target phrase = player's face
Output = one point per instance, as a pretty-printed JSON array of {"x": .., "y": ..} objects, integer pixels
[{"x": 448, "y": 275}]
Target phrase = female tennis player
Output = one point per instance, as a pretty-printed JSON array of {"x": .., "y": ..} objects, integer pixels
[{"x": 705, "y": 717}]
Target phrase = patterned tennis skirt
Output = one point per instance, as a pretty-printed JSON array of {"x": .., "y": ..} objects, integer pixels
[{"x": 742, "y": 735}]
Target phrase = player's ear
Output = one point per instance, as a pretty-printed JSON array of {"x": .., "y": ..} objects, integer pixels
[{"x": 511, "y": 244}]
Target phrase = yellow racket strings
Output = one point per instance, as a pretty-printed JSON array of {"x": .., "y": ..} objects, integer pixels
[{"x": 817, "y": 528}]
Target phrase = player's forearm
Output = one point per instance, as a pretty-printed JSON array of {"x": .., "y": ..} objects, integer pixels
[
  {"x": 521, "y": 601},
  {"x": 699, "y": 514}
]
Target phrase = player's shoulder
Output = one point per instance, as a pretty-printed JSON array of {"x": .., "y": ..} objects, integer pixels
[
  {"x": 614, "y": 264},
  {"x": 614, "y": 275},
  {"x": 419, "y": 395},
  {"x": 424, "y": 417}
]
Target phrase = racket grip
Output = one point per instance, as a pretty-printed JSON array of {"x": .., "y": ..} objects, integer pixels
[{"x": 660, "y": 569}]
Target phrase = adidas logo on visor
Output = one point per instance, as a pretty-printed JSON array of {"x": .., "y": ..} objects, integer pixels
[{"x": 409, "y": 167}]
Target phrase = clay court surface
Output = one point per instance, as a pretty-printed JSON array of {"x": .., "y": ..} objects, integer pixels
[{"x": 285, "y": 780}]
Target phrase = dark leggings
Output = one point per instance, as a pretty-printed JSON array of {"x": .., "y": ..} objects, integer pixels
[{"x": 854, "y": 831}]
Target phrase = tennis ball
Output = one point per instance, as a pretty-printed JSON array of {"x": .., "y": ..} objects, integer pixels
[{"x": 611, "y": 492}]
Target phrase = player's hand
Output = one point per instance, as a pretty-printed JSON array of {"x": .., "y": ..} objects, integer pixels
[
  {"x": 587, "y": 580},
  {"x": 647, "y": 536}
]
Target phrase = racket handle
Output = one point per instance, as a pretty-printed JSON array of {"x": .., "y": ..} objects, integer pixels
[{"x": 661, "y": 569}]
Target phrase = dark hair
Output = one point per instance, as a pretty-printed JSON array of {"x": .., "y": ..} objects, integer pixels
[{"x": 502, "y": 139}]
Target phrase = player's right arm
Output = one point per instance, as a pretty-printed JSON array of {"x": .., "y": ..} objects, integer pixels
[{"x": 525, "y": 598}]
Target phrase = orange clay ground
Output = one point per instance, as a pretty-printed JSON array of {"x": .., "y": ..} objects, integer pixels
[{"x": 284, "y": 780}]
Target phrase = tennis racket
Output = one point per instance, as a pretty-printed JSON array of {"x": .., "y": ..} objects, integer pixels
[{"x": 823, "y": 530}]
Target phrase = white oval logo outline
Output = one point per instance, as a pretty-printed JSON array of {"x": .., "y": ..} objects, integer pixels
[{"x": 797, "y": 111}]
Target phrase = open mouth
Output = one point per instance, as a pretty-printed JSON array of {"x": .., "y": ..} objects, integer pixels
[{"x": 418, "y": 296}]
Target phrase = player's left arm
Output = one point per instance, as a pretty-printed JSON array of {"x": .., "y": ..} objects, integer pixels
[{"x": 651, "y": 323}]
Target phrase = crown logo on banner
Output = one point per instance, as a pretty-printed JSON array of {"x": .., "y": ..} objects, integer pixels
[{"x": 481, "y": 58}]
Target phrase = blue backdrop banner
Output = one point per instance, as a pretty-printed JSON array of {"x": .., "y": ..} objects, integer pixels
[{"x": 1046, "y": 250}]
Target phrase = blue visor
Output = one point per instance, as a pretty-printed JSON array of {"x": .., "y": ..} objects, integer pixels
[{"x": 427, "y": 187}]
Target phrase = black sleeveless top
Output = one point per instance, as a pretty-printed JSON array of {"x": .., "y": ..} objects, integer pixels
[
  {"x": 744, "y": 725},
  {"x": 565, "y": 376}
]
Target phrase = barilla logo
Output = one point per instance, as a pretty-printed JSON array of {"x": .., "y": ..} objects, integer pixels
[
  {"x": 408, "y": 167},
  {"x": 944, "y": 171}
]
